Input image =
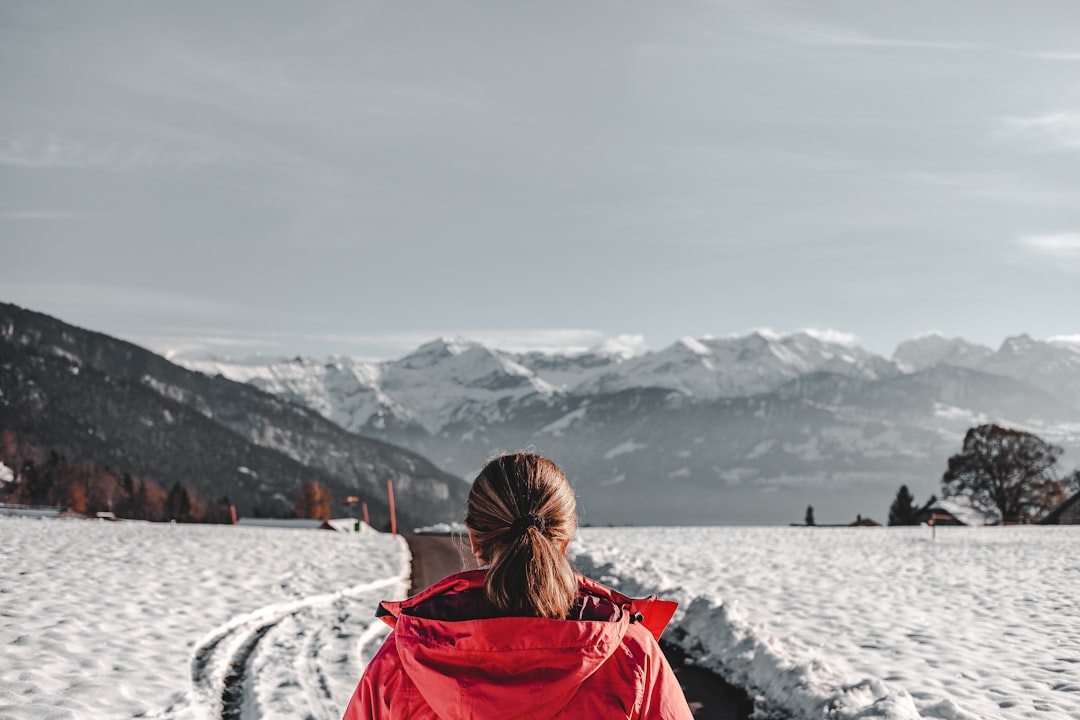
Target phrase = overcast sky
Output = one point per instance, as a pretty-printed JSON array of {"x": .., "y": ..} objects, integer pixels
[{"x": 356, "y": 178}]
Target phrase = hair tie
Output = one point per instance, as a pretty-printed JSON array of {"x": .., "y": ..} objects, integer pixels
[{"x": 522, "y": 524}]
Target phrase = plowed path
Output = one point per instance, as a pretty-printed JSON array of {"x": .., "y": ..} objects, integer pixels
[{"x": 709, "y": 695}]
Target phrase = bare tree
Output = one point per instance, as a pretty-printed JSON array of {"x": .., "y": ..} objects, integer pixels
[
  {"x": 1010, "y": 470},
  {"x": 314, "y": 501}
]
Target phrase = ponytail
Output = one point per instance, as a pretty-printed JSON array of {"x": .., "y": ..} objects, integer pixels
[{"x": 522, "y": 512}]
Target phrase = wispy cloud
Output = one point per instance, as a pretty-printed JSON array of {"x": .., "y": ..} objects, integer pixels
[
  {"x": 1052, "y": 56},
  {"x": 53, "y": 151},
  {"x": 823, "y": 334},
  {"x": 1062, "y": 244},
  {"x": 1049, "y": 131},
  {"x": 85, "y": 298},
  {"x": 840, "y": 36},
  {"x": 831, "y": 336},
  {"x": 195, "y": 343},
  {"x": 998, "y": 187}
]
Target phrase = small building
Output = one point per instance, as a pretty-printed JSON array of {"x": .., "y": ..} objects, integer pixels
[
  {"x": 346, "y": 524},
  {"x": 349, "y": 524},
  {"x": 294, "y": 523},
  {"x": 1067, "y": 513},
  {"x": 958, "y": 510},
  {"x": 860, "y": 521},
  {"x": 939, "y": 515},
  {"x": 30, "y": 511}
]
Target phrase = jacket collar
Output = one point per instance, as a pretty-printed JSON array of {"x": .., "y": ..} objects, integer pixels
[{"x": 653, "y": 613}]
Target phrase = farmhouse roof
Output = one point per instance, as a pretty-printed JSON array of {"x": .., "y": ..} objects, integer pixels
[
  {"x": 1067, "y": 513},
  {"x": 31, "y": 511},
  {"x": 296, "y": 523}
]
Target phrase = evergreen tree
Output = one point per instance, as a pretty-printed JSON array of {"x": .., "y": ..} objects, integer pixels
[
  {"x": 38, "y": 480},
  {"x": 126, "y": 505},
  {"x": 139, "y": 503},
  {"x": 904, "y": 511},
  {"x": 178, "y": 504},
  {"x": 810, "y": 515}
]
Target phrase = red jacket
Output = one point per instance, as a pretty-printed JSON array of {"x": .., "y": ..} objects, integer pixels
[{"x": 452, "y": 657}]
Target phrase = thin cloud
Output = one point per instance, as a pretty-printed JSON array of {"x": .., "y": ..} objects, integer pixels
[
  {"x": 84, "y": 298},
  {"x": 831, "y": 336},
  {"x": 839, "y": 36},
  {"x": 1052, "y": 56},
  {"x": 61, "y": 152},
  {"x": 1062, "y": 244},
  {"x": 823, "y": 334},
  {"x": 196, "y": 343},
  {"x": 1052, "y": 130},
  {"x": 996, "y": 186}
]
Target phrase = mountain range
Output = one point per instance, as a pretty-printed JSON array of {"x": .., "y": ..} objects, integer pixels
[
  {"x": 746, "y": 429},
  {"x": 94, "y": 398}
]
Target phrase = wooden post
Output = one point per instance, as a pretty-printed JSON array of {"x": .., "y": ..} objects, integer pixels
[
  {"x": 934, "y": 517},
  {"x": 393, "y": 515},
  {"x": 232, "y": 511},
  {"x": 366, "y": 520}
]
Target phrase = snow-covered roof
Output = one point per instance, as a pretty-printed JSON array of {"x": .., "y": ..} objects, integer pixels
[
  {"x": 961, "y": 508},
  {"x": 1067, "y": 513},
  {"x": 297, "y": 523},
  {"x": 30, "y": 511}
]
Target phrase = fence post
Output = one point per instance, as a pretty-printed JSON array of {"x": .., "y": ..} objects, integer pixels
[
  {"x": 393, "y": 515},
  {"x": 934, "y": 517}
]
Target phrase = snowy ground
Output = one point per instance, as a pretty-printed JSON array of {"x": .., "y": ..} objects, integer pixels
[
  {"x": 122, "y": 620},
  {"x": 980, "y": 623}
]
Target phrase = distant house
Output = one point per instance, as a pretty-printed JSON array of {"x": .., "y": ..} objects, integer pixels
[
  {"x": 294, "y": 523},
  {"x": 350, "y": 525},
  {"x": 30, "y": 511},
  {"x": 1067, "y": 513},
  {"x": 958, "y": 510},
  {"x": 939, "y": 515},
  {"x": 860, "y": 521},
  {"x": 338, "y": 524}
]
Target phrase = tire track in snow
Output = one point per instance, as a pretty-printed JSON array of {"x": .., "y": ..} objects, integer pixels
[
  {"x": 232, "y": 695},
  {"x": 220, "y": 662}
]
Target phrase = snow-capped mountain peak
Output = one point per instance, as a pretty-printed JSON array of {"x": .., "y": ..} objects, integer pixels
[
  {"x": 457, "y": 380},
  {"x": 694, "y": 346},
  {"x": 936, "y": 349}
]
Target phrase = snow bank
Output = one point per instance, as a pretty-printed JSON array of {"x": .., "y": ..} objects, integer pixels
[
  {"x": 867, "y": 622},
  {"x": 126, "y": 619}
]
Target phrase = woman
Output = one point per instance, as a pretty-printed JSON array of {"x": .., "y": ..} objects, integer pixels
[{"x": 524, "y": 637}]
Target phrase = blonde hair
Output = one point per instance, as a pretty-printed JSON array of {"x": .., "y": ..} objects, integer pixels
[{"x": 522, "y": 512}]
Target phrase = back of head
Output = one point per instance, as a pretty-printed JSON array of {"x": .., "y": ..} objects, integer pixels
[{"x": 522, "y": 513}]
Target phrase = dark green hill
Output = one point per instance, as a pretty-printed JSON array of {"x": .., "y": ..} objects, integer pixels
[{"x": 94, "y": 398}]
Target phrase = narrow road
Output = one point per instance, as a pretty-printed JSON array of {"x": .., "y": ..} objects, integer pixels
[{"x": 709, "y": 695}]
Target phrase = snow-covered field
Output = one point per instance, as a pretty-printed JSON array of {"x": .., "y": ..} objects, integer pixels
[
  {"x": 122, "y": 620},
  {"x": 980, "y": 623}
]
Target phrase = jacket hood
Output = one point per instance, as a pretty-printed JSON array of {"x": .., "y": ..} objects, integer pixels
[{"x": 467, "y": 661}]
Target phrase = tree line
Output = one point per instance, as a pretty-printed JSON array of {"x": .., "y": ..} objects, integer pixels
[{"x": 84, "y": 487}]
